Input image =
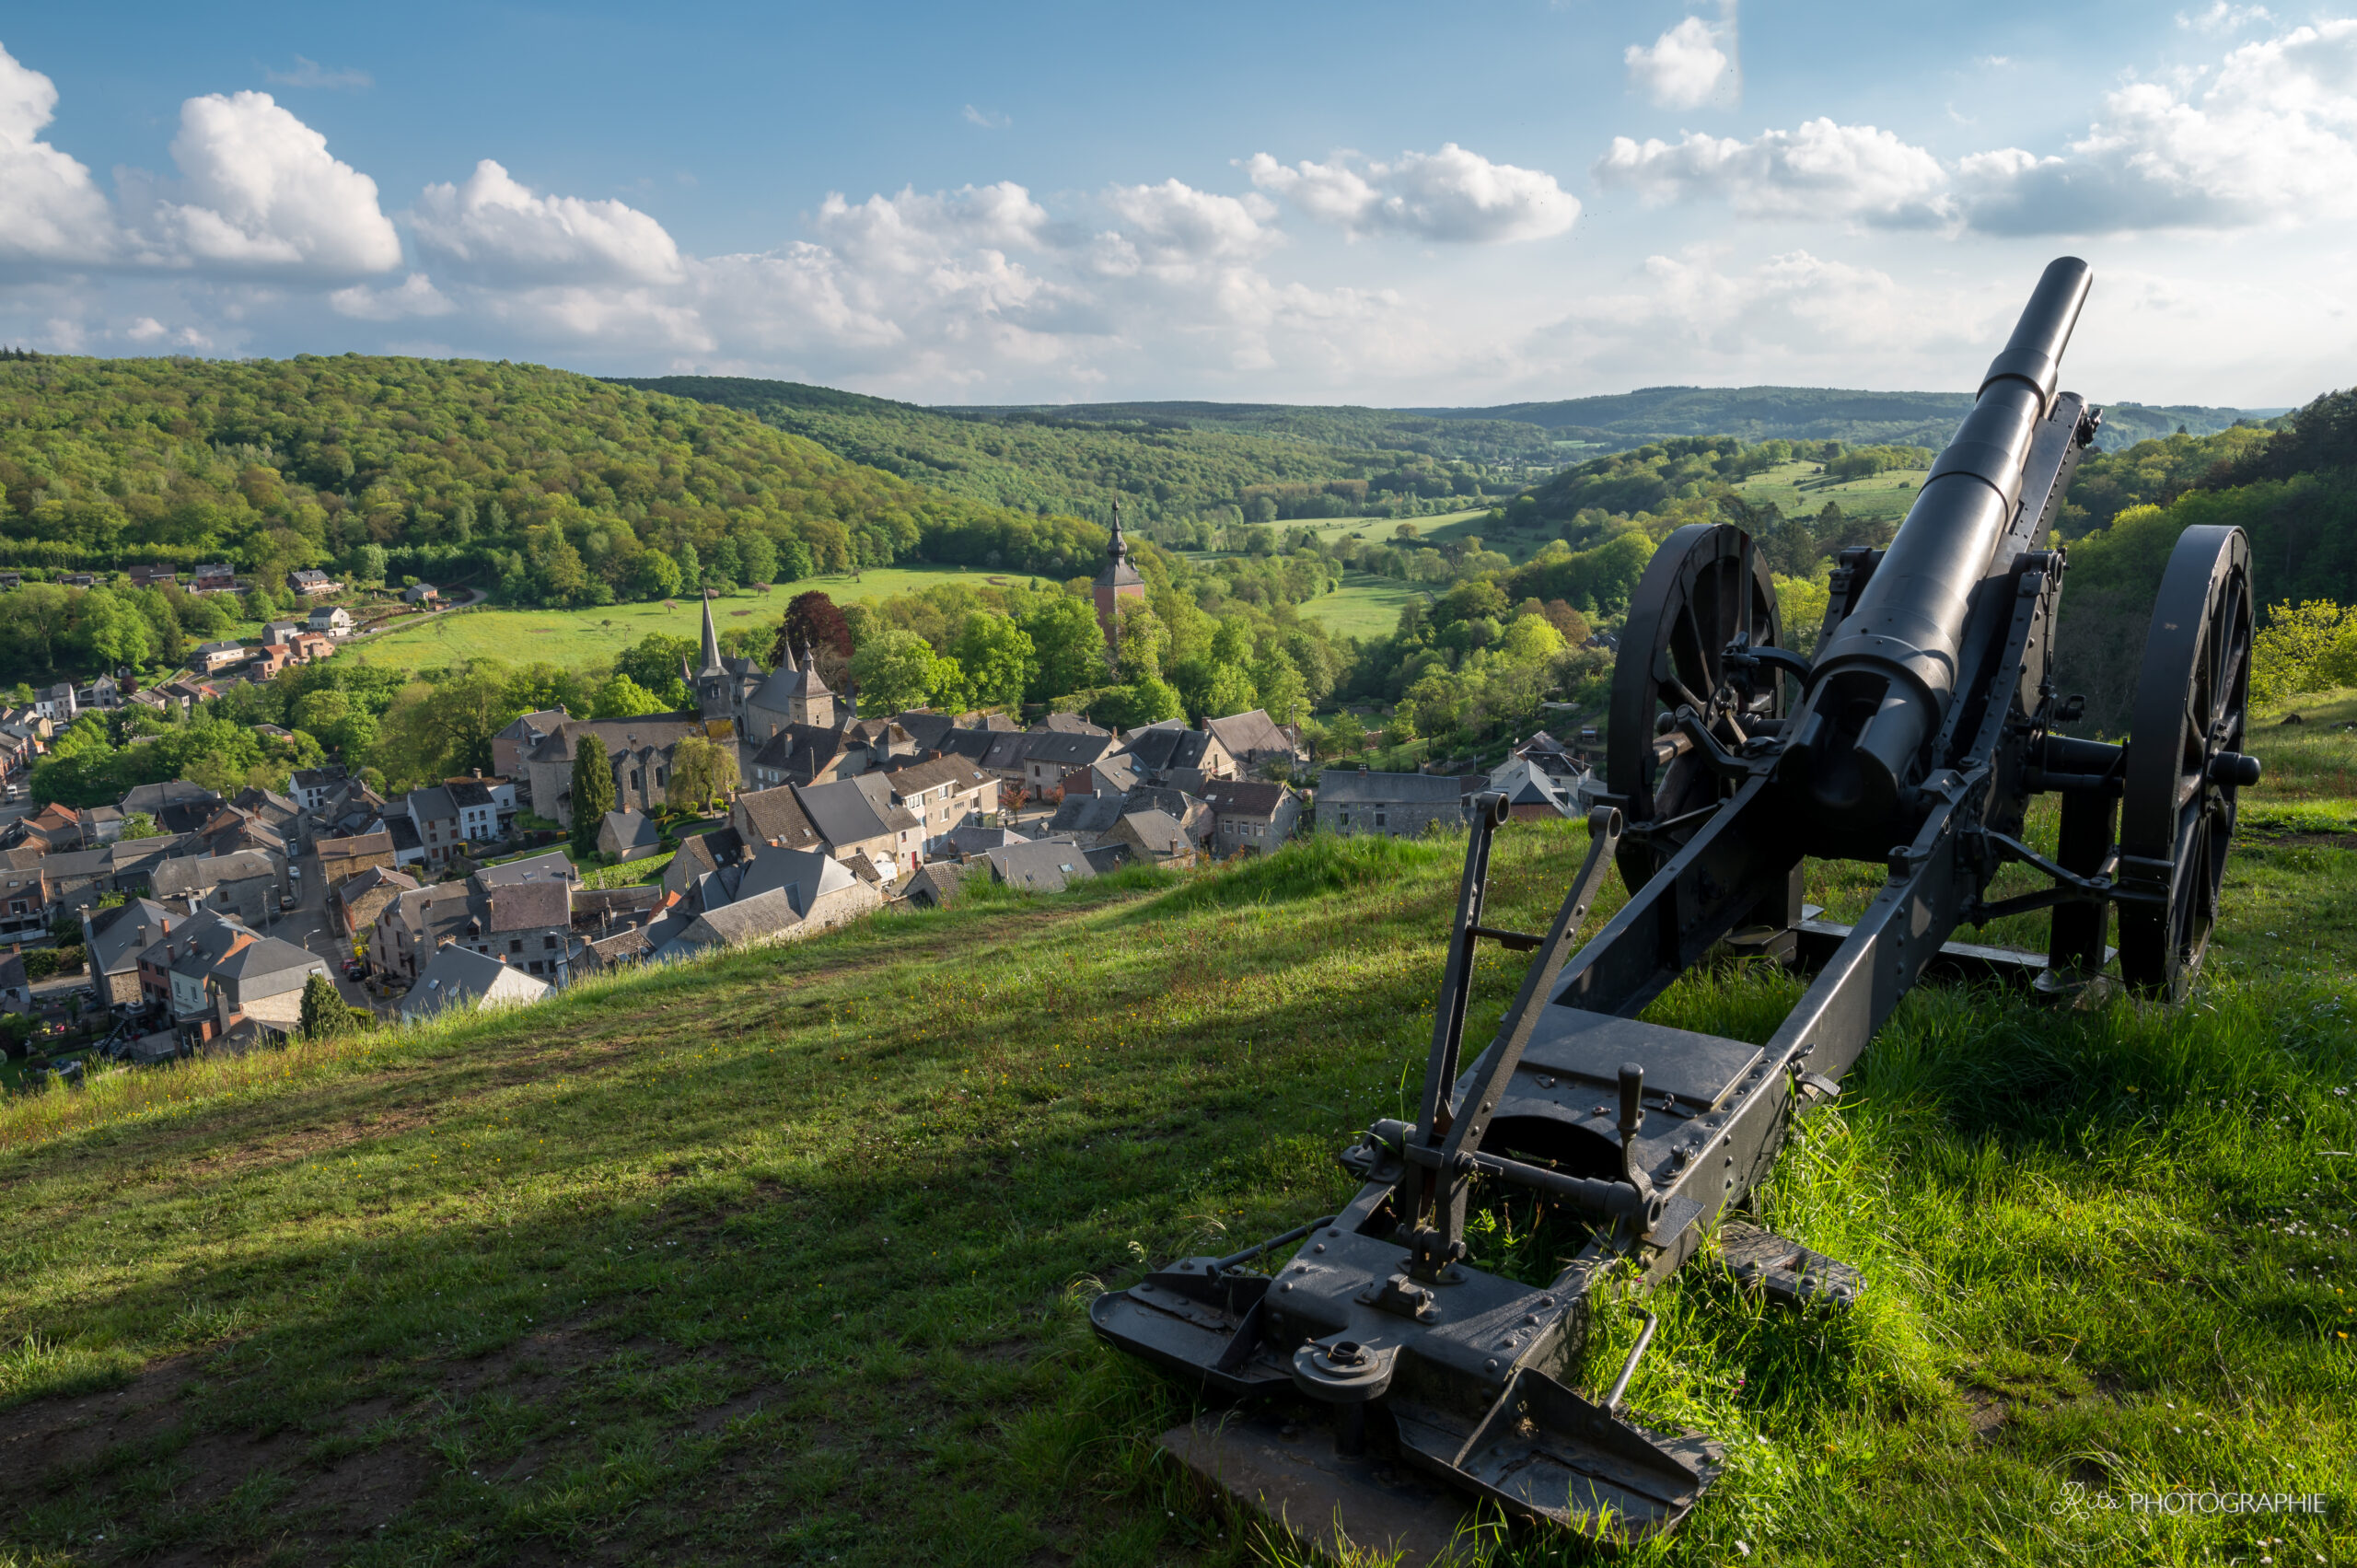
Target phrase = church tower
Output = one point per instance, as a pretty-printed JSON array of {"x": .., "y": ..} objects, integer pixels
[
  {"x": 1119, "y": 580},
  {"x": 713, "y": 684}
]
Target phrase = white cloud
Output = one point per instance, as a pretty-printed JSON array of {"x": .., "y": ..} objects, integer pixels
[
  {"x": 989, "y": 120},
  {"x": 1821, "y": 171},
  {"x": 912, "y": 232},
  {"x": 1174, "y": 224},
  {"x": 266, "y": 196},
  {"x": 311, "y": 73},
  {"x": 1451, "y": 195},
  {"x": 146, "y": 330},
  {"x": 2269, "y": 141},
  {"x": 493, "y": 229},
  {"x": 2222, "y": 17},
  {"x": 50, "y": 210},
  {"x": 1685, "y": 67},
  {"x": 415, "y": 295}
]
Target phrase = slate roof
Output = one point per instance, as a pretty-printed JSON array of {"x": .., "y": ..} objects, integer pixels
[
  {"x": 747, "y": 920},
  {"x": 926, "y": 726},
  {"x": 174, "y": 878},
  {"x": 632, "y": 829},
  {"x": 1046, "y": 865},
  {"x": 458, "y": 978},
  {"x": 1250, "y": 733},
  {"x": 1088, "y": 815},
  {"x": 1349, "y": 786},
  {"x": 529, "y": 906},
  {"x": 806, "y": 875},
  {"x": 332, "y": 852},
  {"x": 432, "y": 804},
  {"x": 1066, "y": 724},
  {"x": 1159, "y": 748},
  {"x": 257, "y": 963},
  {"x": 843, "y": 813},
  {"x": 1065, "y": 750},
  {"x": 1158, "y": 830},
  {"x": 118, "y": 935},
  {"x": 970, "y": 837},
  {"x": 1244, "y": 797},
  {"x": 153, "y": 798},
  {"x": 778, "y": 815},
  {"x": 913, "y": 778}
]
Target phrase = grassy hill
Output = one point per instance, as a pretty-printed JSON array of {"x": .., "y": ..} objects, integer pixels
[{"x": 784, "y": 1257}]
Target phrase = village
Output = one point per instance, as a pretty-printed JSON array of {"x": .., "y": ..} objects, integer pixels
[{"x": 181, "y": 921}]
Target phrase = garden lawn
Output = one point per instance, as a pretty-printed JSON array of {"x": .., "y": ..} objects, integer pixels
[{"x": 784, "y": 1257}]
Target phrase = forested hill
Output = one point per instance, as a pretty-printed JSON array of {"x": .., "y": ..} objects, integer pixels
[
  {"x": 544, "y": 486},
  {"x": 1552, "y": 434},
  {"x": 1160, "y": 468},
  {"x": 1814, "y": 414}
]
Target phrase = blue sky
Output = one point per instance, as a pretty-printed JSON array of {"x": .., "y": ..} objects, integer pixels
[{"x": 1372, "y": 203}]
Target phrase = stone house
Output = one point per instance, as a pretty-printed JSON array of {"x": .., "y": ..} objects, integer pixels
[
  {"x": 1253, "y": 739},
  {"x": 529, "y": 926},
  {"x": 941, "y": 794},
  {"x": 243, "y": 886},
  {"x": 355, "y": 902},
  {"x": 114, "y": 939},
  {"x": 1160, "y": 749},
  {"x": 857, "y": 819},
  {"x": 1247, "y": 814},
  {"x": 1055, "y": 753},
  {"x": 771, "y": 817},
  {"x": 1153, "y": 836},
  {"x": 344, "y": 858},
  {"x": 331, "y": 621},
  {"x": 1400, "y": 806}
]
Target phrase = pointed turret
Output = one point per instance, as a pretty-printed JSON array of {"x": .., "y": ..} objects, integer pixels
[{"x": 711, "y": 640}]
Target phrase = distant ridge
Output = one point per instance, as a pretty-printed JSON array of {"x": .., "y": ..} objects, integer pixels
[{"x": 1624, "y": 419}]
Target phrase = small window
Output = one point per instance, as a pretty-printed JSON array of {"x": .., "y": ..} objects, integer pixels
[
  {"x": 516, "y": 944},
  {"x": 548, "y": 941},
  {"x": 1378, "y": 818}
]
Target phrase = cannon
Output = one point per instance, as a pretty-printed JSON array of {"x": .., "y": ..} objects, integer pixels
[{"x": 1378, "y": 1381}]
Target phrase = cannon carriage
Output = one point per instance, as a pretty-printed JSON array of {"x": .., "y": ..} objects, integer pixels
[{"x": 1378, "y": 1381}]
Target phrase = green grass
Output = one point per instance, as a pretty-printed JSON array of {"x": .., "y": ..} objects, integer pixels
[
  {"x": 1797, "y": 487},
  {"x": 570, "y": 638},
  {"x": 1365, "y": 606},
  {"x": 784, "y": 1257}
]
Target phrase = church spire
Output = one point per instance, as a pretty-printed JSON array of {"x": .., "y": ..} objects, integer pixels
[
  {"x": 710, "y": 638},
  {"x": 1118, "y": 549}
]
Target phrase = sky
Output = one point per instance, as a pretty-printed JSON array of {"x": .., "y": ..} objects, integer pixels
[{"x": 1377, "y": 203}]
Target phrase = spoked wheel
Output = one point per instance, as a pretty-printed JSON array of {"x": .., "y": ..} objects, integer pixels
[
  {"x": 1706, "y": 587},
  {"x": 2185, "y": 761}
]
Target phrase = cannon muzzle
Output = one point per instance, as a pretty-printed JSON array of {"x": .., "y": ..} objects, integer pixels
[{"x": 1879, "y": 692}]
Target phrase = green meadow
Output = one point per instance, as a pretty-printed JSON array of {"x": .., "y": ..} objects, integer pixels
[
  {"x": 574, "y": 637},
  {"x": 783, "y": 1256}
]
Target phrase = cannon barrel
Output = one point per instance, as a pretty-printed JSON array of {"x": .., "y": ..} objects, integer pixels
[{"x": 1883, "y": 686}]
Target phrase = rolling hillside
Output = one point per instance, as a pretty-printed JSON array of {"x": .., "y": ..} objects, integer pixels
[{"x": 782, "y": 1257}]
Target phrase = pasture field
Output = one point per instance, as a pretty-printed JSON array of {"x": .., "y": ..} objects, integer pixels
[
  {"x": 1365, "y": 606},
  {"x": 576, "y": 638},
  {"x": 1799, "y": 488},
  {"x": 783, "y": 1256}
]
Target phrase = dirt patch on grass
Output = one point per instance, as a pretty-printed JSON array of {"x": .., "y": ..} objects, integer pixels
[{"x": 67, "y": 1436}]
